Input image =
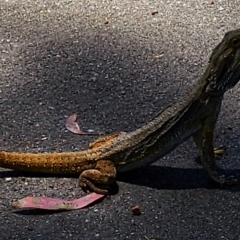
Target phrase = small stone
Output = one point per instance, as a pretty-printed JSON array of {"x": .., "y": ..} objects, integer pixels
[
  {"x": 136, "y": 210},
  {"x": 29, "y": 228},
  {"x": 106, "y": 21},
  {"x": 154, "y": 12}
]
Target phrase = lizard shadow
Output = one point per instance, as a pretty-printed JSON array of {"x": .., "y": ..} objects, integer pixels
[
  {"x": 175, "y": 178},
  {"x": 157, "y": 177},
  {"x": 15, "y": 173}
]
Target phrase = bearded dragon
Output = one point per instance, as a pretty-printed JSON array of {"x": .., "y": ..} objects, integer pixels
[{"x": 194, "y": 115}]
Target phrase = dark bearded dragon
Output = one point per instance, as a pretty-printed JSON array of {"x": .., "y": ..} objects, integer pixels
[{"x": 194, "y": 115}]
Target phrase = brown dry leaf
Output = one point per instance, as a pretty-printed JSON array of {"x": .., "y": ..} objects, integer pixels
[
  {"x": 73, "y": 126},
  {"x": 136, "y": 210}
]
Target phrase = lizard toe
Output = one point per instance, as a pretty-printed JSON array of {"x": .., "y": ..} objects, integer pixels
[
  {"x": 219, "y": 151},
  {"x": 230, "y": 180}
]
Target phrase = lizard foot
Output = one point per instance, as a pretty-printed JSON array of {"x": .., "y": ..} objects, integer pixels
[
  {"x": 224, "y": 180},
  {"x": 229, "y": 180},
  {"x": 84, "y": 184},
  {"x": 219, "y": 151},
  {"x": 103, "y": 174}
]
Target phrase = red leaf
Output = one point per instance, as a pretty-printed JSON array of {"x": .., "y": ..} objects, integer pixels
[{"x": 48, "y": 203}]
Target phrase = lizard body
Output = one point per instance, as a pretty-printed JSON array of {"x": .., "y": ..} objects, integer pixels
[{"x": 194, "y": 115}]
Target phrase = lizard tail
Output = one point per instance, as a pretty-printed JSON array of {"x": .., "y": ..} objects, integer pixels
[{"x": 55, "y": 163}]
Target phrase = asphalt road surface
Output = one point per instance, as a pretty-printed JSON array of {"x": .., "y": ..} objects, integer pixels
[{"x": 115, "y": 64}]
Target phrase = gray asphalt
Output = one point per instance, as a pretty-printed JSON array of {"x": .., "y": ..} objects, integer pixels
[{"x": 116, "y": 65}]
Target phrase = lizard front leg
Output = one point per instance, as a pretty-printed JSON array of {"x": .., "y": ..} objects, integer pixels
[
  {"x": 218, "y": 151},
  {"x": 204, "y": 140},
  {"x": 104, "y": 173}
]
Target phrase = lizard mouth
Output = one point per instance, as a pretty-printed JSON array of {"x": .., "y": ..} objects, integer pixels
[{"x": 229, "y": 76}]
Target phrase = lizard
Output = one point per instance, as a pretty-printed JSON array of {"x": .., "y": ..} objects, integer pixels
[{"x": 194, "y": 115}]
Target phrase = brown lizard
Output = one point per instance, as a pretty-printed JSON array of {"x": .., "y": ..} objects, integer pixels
[{"x": 193, "y": 115}]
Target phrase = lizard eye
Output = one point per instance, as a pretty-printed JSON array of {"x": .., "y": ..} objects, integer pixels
[{"x": 236, "y": 42}]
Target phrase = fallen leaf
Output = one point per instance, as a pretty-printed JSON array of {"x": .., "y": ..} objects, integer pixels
[
  {"x": 48, "y": 203},
  {"x": 73, "y": 126}
]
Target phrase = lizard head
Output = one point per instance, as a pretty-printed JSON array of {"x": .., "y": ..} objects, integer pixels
[{"x": 224, "y": 63}]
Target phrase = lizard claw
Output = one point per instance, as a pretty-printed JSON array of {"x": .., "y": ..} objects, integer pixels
[
  {"x": 223, "y": 180},
  {"x": 86, "y": 185},
  {"x": 219, "y": 151},
  {"x": 83, "y": 186},
  {"x": 230, "y": 180},
  {"x": 226, "y": 181}
]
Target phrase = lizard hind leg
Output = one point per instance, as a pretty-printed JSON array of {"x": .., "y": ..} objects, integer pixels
[
  {"x": 218, "y": 151},
  {"x": 204, "y": 140},
  {"x": 103, "y": 174}
]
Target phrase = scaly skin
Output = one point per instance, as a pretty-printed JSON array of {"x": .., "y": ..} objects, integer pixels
[{"x": 194, "y": 115}]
